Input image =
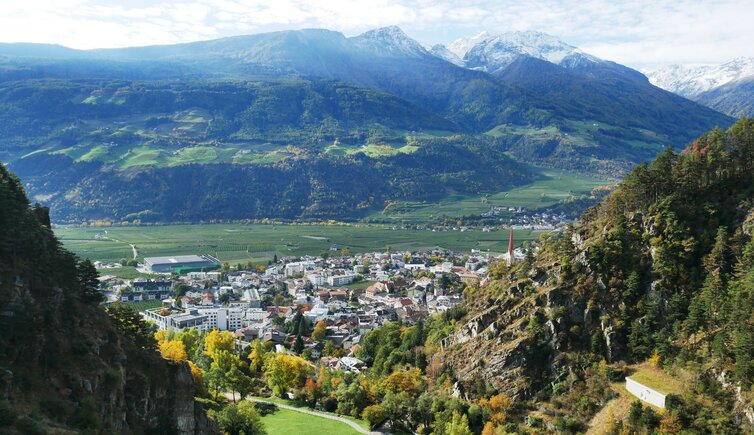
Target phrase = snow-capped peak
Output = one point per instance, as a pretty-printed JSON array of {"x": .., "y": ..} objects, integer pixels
[
  {"x": 461, "y": 46},
  {"x": 497, "y": 52},
  {"x": 690, "y": 81},
  {"x": 442, "y": 52},
  {"x": 390, "y": 41}
]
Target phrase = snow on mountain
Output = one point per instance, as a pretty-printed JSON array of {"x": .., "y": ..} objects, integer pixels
[
  {"x": 442, "y": 52},
  {"x": 690, "y": 81},
  {"x": 390, "y": 41},
  {"x": 461, "y": 46},
  {"x": 492, "y": 53},
  {"x": 495, "y": 53}
]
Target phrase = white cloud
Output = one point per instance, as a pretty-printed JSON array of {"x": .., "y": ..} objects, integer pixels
[{"x": 639, "y": 33}]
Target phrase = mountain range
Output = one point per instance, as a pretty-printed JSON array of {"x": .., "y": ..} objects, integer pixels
[
  {"x": 263, "y": 102},
  {"x": 728, "y": 87}
]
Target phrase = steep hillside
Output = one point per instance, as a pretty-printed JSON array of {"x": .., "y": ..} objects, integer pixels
[
  {"x": 112, "y": 117},
  {"x": 256, "y": 101},
  {"x": 388, "y": 60},
  {"x": 635, "y": 120},
  {"x": 299, "y": 185},
  {"x": 66, "y": 365},
  {"x": 726, "y": 88},
  {"x": 661, "y": 270},
  {"x": 691, "y": 81},
  {"x": 736, "y": 98}
]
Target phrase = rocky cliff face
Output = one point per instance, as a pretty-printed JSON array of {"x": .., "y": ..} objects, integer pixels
[
  {"x": 533, "y": 320},
  {"x": 659, "y": 271},
  {"x": 64, "y": 364}
]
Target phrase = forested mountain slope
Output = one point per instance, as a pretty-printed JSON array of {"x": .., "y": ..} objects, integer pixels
[
  {"x": 735, "y": 98},
  {"x": 662, "y": 270},
  {"x": 302, "y": 185},
  {"x": 250, "y": 102},
  {"x": 65, "y": 365}
]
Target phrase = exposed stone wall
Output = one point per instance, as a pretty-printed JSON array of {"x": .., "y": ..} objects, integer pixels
[{"x": 645, "y": 393}]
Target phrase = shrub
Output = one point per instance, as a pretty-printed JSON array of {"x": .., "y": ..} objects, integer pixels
[
  {"x": 240, "y": 418},
  {"x": 374, "y": 415},
  {"x": 30, "y": 425},
  {"x": 56, "y": 408},
  {"x": 8, "y": 415}
]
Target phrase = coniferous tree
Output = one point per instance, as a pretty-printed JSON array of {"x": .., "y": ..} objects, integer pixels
[{"x": 88, "y": 279}]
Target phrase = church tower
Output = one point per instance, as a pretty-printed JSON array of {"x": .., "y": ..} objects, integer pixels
[{"x": 510, "y": 246}]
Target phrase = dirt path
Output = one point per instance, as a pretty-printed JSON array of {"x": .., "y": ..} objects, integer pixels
[{"x": 133, "y": 247}]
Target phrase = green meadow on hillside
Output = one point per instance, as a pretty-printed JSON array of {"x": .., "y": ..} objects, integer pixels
[{"x": 554, "y": 186}]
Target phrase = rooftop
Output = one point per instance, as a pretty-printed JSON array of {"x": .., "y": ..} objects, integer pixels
[{"x": 180, "y": 259}]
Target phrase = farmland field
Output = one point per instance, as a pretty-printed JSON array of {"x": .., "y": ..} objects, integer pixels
[
  {"x": 553, "y": 187},
  {"x": 258, "y": 243}
]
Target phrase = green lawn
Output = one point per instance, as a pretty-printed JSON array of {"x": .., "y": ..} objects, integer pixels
[
  {"x": 126, "y": 272},
  {"x": 258, "y": 243},
  {"x": 284, "y": 421}
]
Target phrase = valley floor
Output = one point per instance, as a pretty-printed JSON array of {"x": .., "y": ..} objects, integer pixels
[{"x": 238, "y": 243}]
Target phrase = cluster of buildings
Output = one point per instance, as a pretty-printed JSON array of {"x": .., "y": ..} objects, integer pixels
[
  {"x": 350, "y": 295},
  {"x": 523, "y": 219}
]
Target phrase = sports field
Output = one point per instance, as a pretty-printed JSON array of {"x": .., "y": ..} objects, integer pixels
[{"x": 258, "y": 243}]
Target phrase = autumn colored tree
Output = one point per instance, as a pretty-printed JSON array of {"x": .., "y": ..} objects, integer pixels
[
  {"x": 256, "y": 356},
  {"x": 284, "y": 371},
  {"x": 197, "y": 374},
  {"x": 320, "y": 331},
  {"x": 222, "y": 368},
  {"x": 161, "y": 335},
  {"x": 217, "y": 341},
  {"x": 499, "y": 405},
  {"x": 173, "y": 350},
  {"x": 409, "y": 381}
]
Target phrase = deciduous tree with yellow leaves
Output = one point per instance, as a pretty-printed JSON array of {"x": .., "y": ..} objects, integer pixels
[
  {"x": 284, "y": 371},
  {"x": 216, "y": 341},
  {"x": 173, "y": 350}
]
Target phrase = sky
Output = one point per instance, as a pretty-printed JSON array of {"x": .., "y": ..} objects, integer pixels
[{"x": 643, "y": 34}]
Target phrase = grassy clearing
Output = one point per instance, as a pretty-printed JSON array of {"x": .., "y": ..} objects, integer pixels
[
  {"x": 370, "y": 150},
  {"x": 257, "y": 243},
  {"x": 578, "y": 134},
  {"x": 284, "y": 421},
  {"x": 194, "y": 155},
  {"x": 142, "y": 156},
  {"x": 616, "y": 409},
  {"x": 293, "y": 403},
  {"x": 99, "y": 152},
  {"x": 657, "y": 379}
]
